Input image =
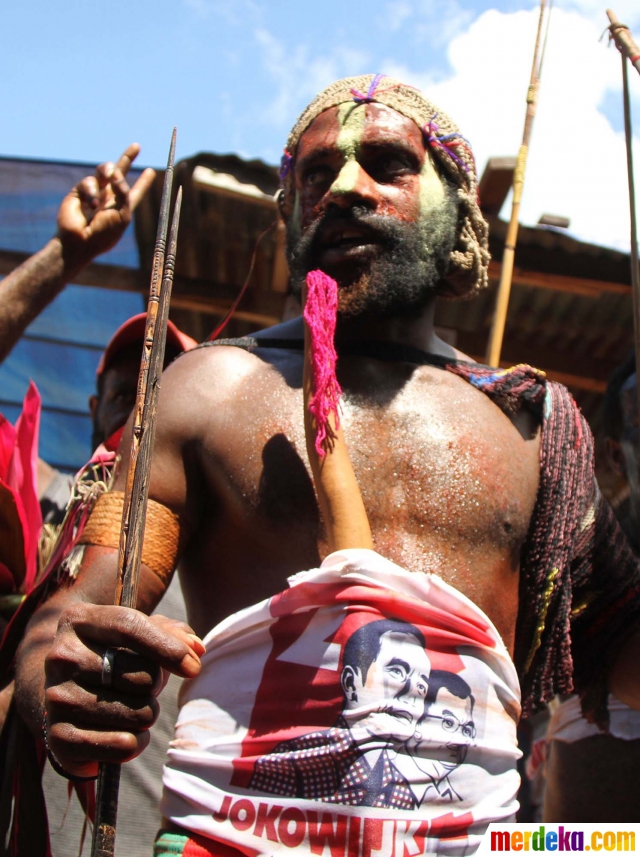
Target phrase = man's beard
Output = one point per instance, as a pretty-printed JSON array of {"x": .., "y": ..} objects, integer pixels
[{"x": 412, "y": 260}]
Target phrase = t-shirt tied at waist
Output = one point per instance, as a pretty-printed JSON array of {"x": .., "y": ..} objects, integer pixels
[{"x": 364, "y": 704}]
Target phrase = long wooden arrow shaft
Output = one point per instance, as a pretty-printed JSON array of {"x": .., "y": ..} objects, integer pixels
[{"x": 137, "y": 485}]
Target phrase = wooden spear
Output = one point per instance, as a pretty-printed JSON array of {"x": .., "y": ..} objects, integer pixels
[
  {"x": 496, "y": 335},
  {"x": 137, "y": 485},
  {"x": 621, "y": 35}
]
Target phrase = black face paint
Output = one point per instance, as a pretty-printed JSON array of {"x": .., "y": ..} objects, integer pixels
[{"x": 410, "y": 263}]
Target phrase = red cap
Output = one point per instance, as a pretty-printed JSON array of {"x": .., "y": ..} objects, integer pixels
[{"x": 133, "y": 331}]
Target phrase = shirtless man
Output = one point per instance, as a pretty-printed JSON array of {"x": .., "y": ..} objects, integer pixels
[{"x": 375, "y": 196}]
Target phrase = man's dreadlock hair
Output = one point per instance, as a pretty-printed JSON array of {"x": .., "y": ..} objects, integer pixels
[
  {"x": 611, "y": 406},
  {"x": 452, "y": 155}
]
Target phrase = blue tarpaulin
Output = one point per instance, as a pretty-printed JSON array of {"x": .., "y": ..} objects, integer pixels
[{"x": 61, "y": 348}]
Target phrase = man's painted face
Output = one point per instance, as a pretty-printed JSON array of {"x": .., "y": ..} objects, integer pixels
[
  {"x": 369, "y": 209},
  {"x": 450, "y": 721},
  {"x": 389, "y": 700}
]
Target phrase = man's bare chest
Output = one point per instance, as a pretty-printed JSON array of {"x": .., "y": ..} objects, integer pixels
[{"x": 445, "y": 476}]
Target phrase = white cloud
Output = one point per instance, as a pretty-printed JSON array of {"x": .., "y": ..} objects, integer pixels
[
  {"x": 298, "y": 75},
  {"x": 577, "y": 163},
  {"x": 395, "y": 14},
  {"x": 432, "y": 22},
  {"x": 627, "y": 11}
]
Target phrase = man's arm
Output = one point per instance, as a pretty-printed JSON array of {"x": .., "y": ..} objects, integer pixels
[
  {"x": 605, "y": 614},
  {"x": 624, "y": 678},
  {"x": 59, "y": 665},
  {"x": 91, "y": 220}
]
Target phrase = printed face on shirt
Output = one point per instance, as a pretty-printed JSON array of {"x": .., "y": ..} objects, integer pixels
[
  {"x": 390, "y": 699},
  {"x": 449, "y": 723}
]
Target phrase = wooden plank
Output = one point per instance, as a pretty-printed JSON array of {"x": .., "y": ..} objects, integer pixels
[
  {"x": 265, "y": 308},
  {"x": 561, "y": 282},
  {"x": 578, "y": 382},
  {"x": 197, "y": 305},
  {"x": 134, "y": 280},
  {"x": 258, "y": 305},
  {"x": 557, "y": 364},
  {"x": 495, "y": 184}
]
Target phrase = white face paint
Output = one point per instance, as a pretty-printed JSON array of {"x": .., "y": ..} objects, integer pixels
[
  {"x": 295, "y": 221},
  {"x": 352, "y": 123}
]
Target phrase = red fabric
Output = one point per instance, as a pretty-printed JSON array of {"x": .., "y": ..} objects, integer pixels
[
  {"x": 199, "y": 846},
  {"x": 133, "y": 330},
  {"x": 18, "y": 473},
  {"x": 112, "y": 443}
]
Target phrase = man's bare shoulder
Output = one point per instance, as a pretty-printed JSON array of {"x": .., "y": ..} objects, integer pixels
[
  {"x": 213, "y": 372},
  {"x": 527, "y": 423},
  {"x": 207, "y": 398},
  {"x": 211, "y": 385}
]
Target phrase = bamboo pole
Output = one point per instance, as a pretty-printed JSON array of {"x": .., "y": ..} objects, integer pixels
[
  {"x": 494, "y": 346},
  {"x": 621, "y": 35},
  {"x": 137, "y": 485},
  {"x": 635, "y": 270}
]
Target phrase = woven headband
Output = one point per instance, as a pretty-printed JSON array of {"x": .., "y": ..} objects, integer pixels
[
  {"x": 440, "y": 132},
  {"x": 469, "y": 259}
]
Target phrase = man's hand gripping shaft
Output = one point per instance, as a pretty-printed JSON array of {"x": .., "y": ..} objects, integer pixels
[{"x": 91, "y": 719}]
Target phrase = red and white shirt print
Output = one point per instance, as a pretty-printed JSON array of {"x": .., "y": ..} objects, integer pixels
[{"x": 366, "y": 710}]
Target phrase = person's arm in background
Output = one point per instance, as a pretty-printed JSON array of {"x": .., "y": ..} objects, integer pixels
[{"x": 91, "y": 220}]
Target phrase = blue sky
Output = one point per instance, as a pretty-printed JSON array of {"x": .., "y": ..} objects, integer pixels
[{"x": 81, "y": 79}]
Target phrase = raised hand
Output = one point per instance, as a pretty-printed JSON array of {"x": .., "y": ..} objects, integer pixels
[
  {"x": 94, "y": 215},
  {"x": 91, "y": 220}
]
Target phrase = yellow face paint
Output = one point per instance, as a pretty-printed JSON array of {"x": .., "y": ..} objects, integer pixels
[
  {"x": 295, "y": 220},
  {"x": 351, "y": 119},
  {"x": 432, "y": 193}
]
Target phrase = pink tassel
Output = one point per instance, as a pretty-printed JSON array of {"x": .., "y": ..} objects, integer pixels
[{"x": 320, "y": 312}]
